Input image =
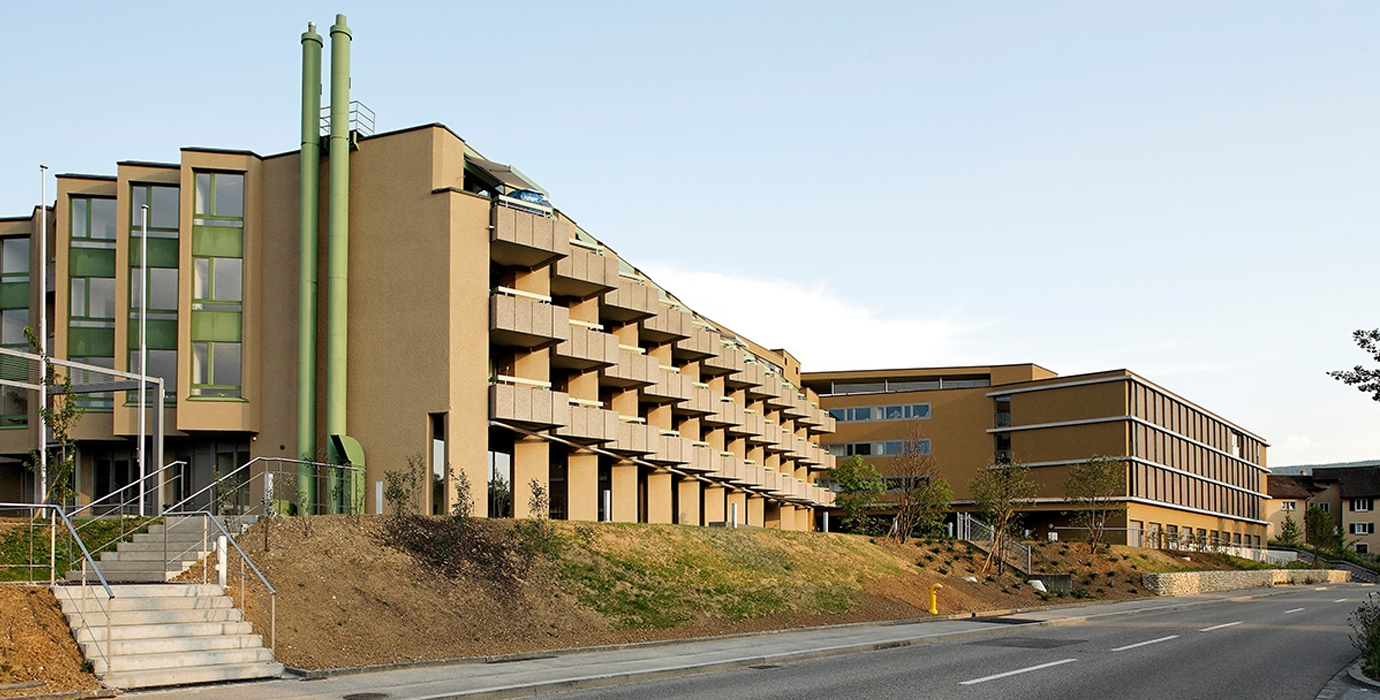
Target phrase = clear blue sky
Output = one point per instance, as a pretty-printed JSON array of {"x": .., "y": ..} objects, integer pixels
[{"x": 1186, "y": 190}]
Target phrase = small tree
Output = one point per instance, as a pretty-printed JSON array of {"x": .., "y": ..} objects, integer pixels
[
  {"x": 999, "y": 491},
  {"x": 1289, "y": 531},
  {"x": 1363, "y": 378},
  {"x": 859, "y": 487},
  {"x": 1093, "y": 488},
  {"x": 923, "y": 497},
  {"x": 1319, "y": 529},
  {"x": 463, "y": 507},
  {"x": 61, "y": 418},
  {"x": 400, "y": 487}
]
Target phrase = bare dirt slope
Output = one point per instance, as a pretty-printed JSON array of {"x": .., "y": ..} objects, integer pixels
[{"x": 37, "y": 654}]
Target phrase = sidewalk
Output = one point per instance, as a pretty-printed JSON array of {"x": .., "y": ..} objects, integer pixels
[{"x": 545, "y": 672}]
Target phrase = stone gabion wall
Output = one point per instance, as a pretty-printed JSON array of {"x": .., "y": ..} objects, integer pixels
[{"x": 1190, "y": 582}]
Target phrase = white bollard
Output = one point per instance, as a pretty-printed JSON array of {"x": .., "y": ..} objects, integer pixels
[
  {"x": 733, "y": 515},
  {"x": 220, "y": 561},
  {"x": 826, "y": 521},
  {"x": 608, "y": 505},
  {"x": 378, "y": 498}
]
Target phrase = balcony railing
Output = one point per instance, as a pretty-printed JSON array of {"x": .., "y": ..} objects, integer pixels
[
  {"x": 525, "y": 239},
  {"x": 586, "y": 349},
  {"x": 590, "y": 423},
  {"x": 528, "y": 405},
  {"x": 631, "y": 301},
  {"x": 584, "y": 273},
  {"x": 518, "y": 321}
]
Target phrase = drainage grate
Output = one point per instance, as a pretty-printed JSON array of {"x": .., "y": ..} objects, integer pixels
[
  {"x": 1008, "y": 620},
  {"x": 367, "y": 696},
  {"x": 514, "y": 659},
  {"x": 1025, "y": 642}
]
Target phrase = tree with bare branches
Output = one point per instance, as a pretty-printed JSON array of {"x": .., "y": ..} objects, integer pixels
[
  {"x": 1093, "y": 489},
  {"x": 923, "y": 497},
  {"x": 999, "y": 492}
]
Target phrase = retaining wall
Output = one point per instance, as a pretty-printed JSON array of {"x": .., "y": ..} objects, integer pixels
[{"x": 1190, "y": 582}]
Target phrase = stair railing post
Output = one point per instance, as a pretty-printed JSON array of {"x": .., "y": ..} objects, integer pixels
[
  {"x": 243, "y": 600},
  {"x": 204, "y": 564},
  {"x": 52, "y": 551},
  {"x": 165, "y": 549},
  {"x": 273, "y": 622}
]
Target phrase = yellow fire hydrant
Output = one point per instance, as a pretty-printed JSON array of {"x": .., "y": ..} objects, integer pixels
[{"x": 934, "y": 598}]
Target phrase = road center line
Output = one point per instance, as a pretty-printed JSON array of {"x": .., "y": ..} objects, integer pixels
[
  {"x": 1286, "y": 612},
  {"x": 1141, "y": 644},
  {"x": 984, "y": 679},
  {"x": 1218, "y": 627},
  {"x": 1340, "y": 600}
]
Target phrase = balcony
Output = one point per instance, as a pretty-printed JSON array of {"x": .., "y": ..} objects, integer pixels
[
  {"x": 524, "y": 321},
  {"x": 726, "y": 359},
  {"x": 778, "y": 395},
  {"x": 702, "y": 403},
  {"x": 586, "y": 349},
  {"x": 703, "y": 459},
  {"x": 584, "y": 273},
  {"x": 669, "y": 387},
  {"x": 630, "y": 301},
  {"x": 812, "y": 415},
  {"x": 590, "y": 423},
  {"x": 752, "y": 377},
  {"x": 526, "y": 240},
  {"x": 701, "y": 343},
  {"x": 669, "y": 449},
  {"x": 727, "y": 412},
  {"x": 826, "y": 424},
  {"x": 632, "y": 370},
  {"x": 634, "y": 438},
  {"x": 770, "y": 436},
  {"x": 667, "y": 326},
  {"x": 798, "y": 407},
  {"x": 751, "y": 426},
  {"x": 531, "y": 406}
]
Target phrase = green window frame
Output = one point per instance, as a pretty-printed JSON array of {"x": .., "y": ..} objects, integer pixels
[
  {"x": 101, "y": 401},
  {"x": 14, "y": 260},
  {"x": 92, "y": 218},
  {"x": 216, "y": 369},
  {"x": 164, "y": 209},
  {"x": 219, "y": 196}
]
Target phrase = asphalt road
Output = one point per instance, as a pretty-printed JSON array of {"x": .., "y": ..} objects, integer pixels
[{"x": 1281, "y": 647}]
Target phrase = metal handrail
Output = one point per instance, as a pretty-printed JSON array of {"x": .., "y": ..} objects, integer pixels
[
  {"x": 132, "y": 484},
  {"x": 246, "y": 465},
  {"x": 86, "y": 559},
  {"x": 273, "y": 592}
]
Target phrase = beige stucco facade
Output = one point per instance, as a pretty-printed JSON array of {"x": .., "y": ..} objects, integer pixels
[
  {"x": 488, "y": 336},
  {"x": 1188, "y": 472}
]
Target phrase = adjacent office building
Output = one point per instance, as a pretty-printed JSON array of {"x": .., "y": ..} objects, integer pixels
[{"x": 1190, "y": 474}]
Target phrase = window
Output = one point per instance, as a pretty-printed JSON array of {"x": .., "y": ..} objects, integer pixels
[
  {"x": 1361, "y": 505},
  {"x": 93, "y": 219},
  {"x": 93, "y": 297},
  {"x": 1362, "y": 548},
  {"x": 12, "y": 324},
  {"x": 215, "y": 368},
  {"x": 1288, "y": 505},
  {"x": 163, "y": 364},
  {"x": 1363, "y": 528},
  {"x": 919, "y": 411},
  {"x": 219, "y": 195},
  {"x": 100, "y": 400},
  {"x": 163, "y": 208},
  {"x": 14, "y": 259},
  {"x": 882, "y": 448},
  {"x": 1003, "y": 413},
  {"x": 1325, "y": 507},
  {"x": 217, "y": 279}
]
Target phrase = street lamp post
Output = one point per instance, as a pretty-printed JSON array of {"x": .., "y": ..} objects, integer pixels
[{"x": 143, "y": 345}]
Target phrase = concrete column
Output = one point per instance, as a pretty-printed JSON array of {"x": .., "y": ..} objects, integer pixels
[
  {"x": 787, "y": 517},
  {"x": 804, "y": 519},
  {"x": 582, "y": 484},
  {"x": 623, "y": 482},
  {"x": 659, "y": 485},
  {"x": 740, "y": 498},
  {"x": 756, "y": 511},
  {"x": 715, "y": 504},
  {"x": 689, "y": 502},
  {"x": 531, "y": 460}
]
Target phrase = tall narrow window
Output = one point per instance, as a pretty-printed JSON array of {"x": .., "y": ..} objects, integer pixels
[
  {"x": 217, "y": 284},
  {"x": 91, "y": 289},
  {"x": 14, "y": 318},
  {"x": 161, "y": 283}
]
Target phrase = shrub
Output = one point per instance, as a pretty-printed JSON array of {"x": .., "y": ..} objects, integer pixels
[{"x": 1366, "y": 622}]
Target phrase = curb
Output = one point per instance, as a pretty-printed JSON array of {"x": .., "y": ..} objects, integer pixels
[{"x": 1354, "y": 670}]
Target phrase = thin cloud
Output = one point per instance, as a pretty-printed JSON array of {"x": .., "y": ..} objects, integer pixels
[{"x": 823, "y": 330}]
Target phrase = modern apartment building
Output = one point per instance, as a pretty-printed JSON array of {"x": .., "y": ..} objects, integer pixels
[
  {"x": 1189, "y": 472},
  {"x": 462, "y": 319}
]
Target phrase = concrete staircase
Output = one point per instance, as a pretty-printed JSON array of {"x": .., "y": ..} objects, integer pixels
[
  {"x": 164, "y": 552},
  {"x": 165, "y": 634}
]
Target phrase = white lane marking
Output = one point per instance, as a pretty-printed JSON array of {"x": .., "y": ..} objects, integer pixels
[
  {"x": 1141, "y": 644},
  {"x": 1340, "y": 600},
  {"x": 1218, "y": 627},
  {"x": 1320, "y": 588},
  {"x": 1019, "y": 671},
  {"x": 1287, "y": 612}
]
